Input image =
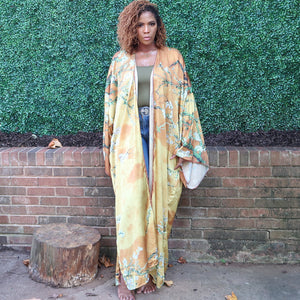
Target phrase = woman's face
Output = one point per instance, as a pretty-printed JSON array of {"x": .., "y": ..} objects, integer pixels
[{"x": 146, "y": 29}]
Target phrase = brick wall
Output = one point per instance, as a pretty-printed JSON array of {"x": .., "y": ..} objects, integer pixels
[{"x": 247, "y": 209}]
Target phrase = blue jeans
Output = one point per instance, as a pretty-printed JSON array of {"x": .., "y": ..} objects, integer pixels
[{"x": 144, "y": 125}]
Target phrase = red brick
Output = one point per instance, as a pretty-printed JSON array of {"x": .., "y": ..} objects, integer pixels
[
  {"x": 5, "y": 181},
  {"x": 238, "y": 202},
  {"x": 277, "y": 203},
  {"x": 254, "y": 158},
  {"x": 104, "y": 181},
  {"x": 24, "y": 200},
  {"x": 223, "y": 212},
  {"x": 70, "y": 191},
  {"x": 11, "y": 171},
  {"x": 77, "y": 156},
  {"x": 11, "y": 229},
  {"x": 5, "y": 157},
  {"x": 98, "y": 211},
  {"x": 59, "y": 156},
  {"x": 95, "y": 158},
  {"x": 264, "y": 223},
  {"x": 24, "y": 181},
  {"x": 223, "y": 223},
  {"x": 52, "y": 181},
  {"x": 40, "y": 191},
  {"x": 222, "y": 192},
  {"x": 264, "y": 158},
  {"x": 255, "y": 172},
  {"x": 68, "y": 172},
  {"x": 4, "y": 220},
  {"x": 14, "y": 156},
  {"x": 41, "y": 210},
  {"x": 198, "y": 192},
  {"x": 255, "y": 213},
  {"x": 23, "y": 220},
  {"x": 244, "y": 157},
  {"x": 86, "y": 156},
  {"x": 23, "y": 156},
  {"x": 213, "y": 156},
  {"x": 68, "y": 156},
  {"x": 280, "y": 158},
  {"x": 178, "y": 244},
  {"x": 182, "y": 223},
  {"x": 82, "y": 181},
  {"x": 184, "y": 201},
  {"x": 205, "y": 202},
  {"x": 187, "y": 234},
  {"x": 92, "y": 201},
  {"x": 272, "y": 182},
  {"x": 188, "y": 212},
  {"x": 223, "y": 172},
  {"x": 99, "y": 191},
  {"x": 238, "y": 182},
  {"x": 284, "y": 234},
  {"x": 255, "y": 192},
  {"x": 38, "y": 171},
  {"x": 31, "y": 155},
  {"x": 286, "y": 193},
  {"x": 71, "y": 211},
  {"x": 12, "y": 210},
  {"x": 253, "y": 235},
  {"x": 41, "y": 156},
  {"x": 233, "y": 158},
  {"x": 101, "y": 157},
  {"x": 295, "y": 157},
  {"x": 12, "y": 190},
  {"x": 286, "y": 213},
  {"x": 56, "y": 201},
  {"x": 97, "y": 171},
  {"x": 223, "y": 157}
]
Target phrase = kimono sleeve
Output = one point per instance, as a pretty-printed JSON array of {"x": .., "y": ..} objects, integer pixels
[
  {"x": 192, "y": 147},
  {"x": 110, "y": 98}
]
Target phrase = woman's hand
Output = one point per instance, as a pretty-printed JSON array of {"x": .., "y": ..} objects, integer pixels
[{"x": 179, "y": 163}]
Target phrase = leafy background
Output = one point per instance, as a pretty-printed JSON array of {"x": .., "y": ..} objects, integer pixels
[{"x": 242, "y": 57}]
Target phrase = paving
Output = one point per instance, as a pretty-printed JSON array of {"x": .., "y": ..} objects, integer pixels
[{"x": 191, "y": 281}]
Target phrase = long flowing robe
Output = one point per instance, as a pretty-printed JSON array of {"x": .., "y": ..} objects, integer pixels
[{"x": 145, "y": 208}]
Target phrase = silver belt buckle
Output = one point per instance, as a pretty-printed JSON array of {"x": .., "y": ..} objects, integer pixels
[{"x": 144, "y": 110}]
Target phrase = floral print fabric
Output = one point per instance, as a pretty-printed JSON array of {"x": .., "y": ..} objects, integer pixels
[{"x": 145, "y": 208}]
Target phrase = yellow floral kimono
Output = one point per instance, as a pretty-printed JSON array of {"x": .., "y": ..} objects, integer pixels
[{"x": 145, "y": 209}]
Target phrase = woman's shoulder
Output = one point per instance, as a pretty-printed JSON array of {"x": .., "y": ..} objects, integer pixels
[
  {"x": 121, "y": 58},
  {"x": 120, "y": 54}
]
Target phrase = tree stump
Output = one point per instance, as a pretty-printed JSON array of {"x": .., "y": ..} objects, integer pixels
[{"x": 64, "y": 255}]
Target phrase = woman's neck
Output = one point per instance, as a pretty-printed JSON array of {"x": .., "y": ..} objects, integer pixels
[{"x": 145, "y": 55}]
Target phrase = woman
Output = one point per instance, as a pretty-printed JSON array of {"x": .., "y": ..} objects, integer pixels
[{"x": 151, "y": 132}]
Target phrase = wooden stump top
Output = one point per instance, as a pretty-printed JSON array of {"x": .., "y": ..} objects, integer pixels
[{"x": 67, "y": 235}]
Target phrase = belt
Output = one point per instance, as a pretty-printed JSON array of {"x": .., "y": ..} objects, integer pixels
[{"x": 144, "y": 110}]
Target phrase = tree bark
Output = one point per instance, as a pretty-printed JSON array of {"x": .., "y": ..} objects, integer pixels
[{"x": 64, "y": 255}]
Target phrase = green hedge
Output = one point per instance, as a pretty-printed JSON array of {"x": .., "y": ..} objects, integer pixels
[{"x": 242, "y": 57}]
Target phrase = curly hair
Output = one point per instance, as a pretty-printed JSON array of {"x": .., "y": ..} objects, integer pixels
[{"x": 127, "y": 26}]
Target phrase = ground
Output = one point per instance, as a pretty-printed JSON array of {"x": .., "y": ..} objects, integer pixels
[{"x": 272, "y": 138}]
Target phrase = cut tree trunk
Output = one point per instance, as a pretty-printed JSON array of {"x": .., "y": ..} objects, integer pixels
[{"x": 64, "y": 255}]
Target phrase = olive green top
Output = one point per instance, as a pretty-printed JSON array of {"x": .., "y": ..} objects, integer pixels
[{"x": 144, "y": 75}]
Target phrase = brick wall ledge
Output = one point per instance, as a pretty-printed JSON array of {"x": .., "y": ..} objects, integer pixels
[{"x": 247, "y": 209}]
